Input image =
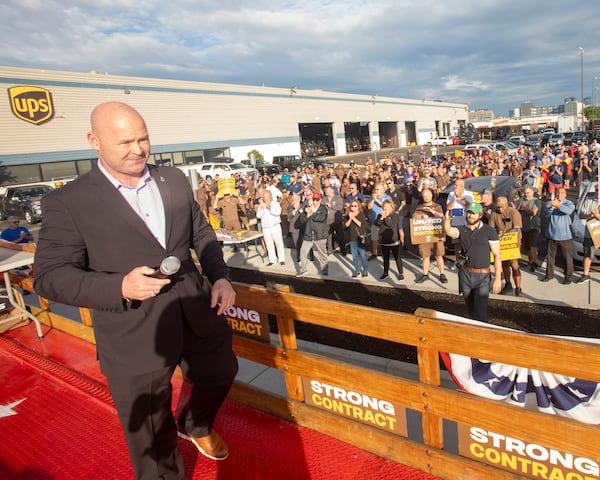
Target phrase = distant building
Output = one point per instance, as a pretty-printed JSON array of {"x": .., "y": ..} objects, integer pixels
[
  {"x": 483, "y": 115},
  {"x": 571, "y": 106},
  {"x": 44, "y": 117},
  {"x": 514, "y": 113}
]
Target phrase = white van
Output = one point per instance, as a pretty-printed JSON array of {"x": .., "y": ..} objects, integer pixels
[{"x": 478, "y": 147}]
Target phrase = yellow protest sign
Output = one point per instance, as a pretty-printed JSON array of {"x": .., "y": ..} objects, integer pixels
[
  {"x": 510, "y": 247},
  {"x": 476, "y": 196},
  {"x": 226, "y": 186},
  {"x": 426, "y": 230},
  {"x": 593, "y": 227}
]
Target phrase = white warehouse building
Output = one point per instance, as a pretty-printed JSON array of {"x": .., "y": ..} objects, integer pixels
[{"x": 44, "y": 119}]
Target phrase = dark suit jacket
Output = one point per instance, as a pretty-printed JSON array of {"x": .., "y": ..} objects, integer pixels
[{"x": 90, "y": 238}]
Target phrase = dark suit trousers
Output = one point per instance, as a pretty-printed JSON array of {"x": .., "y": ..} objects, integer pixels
[
  {"x": 566, "y": 247},
  {"x": 144, "y": 404}
]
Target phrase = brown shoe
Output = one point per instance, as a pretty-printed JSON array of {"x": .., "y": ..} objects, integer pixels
[{"x": 211, "y": 446}]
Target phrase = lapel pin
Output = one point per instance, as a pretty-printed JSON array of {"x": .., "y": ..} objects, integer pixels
[{"x": 162, "y": 179}]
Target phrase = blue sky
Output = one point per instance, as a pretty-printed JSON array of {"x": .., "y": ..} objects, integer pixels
[{"x": 486, "y": 53}]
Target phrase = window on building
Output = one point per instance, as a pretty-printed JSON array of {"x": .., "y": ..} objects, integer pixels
[
  {"x": 58, "y": 170},
  {"x": 20, "y": 174}
]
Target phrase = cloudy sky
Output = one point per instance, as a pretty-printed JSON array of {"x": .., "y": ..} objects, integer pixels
[{"x": 487, "y": 53}]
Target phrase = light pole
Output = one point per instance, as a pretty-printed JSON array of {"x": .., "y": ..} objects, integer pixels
[
  {"x": 582, "y": 104},
  {"x": 593, "y": 102}
]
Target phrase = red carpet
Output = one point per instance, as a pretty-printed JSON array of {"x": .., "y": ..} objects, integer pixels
[{"x": 57, "y": 423}]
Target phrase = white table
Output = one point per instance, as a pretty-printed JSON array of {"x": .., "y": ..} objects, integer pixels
[
  {"x": 244, "y": 237},
  {"x": 9, "y": 260}
]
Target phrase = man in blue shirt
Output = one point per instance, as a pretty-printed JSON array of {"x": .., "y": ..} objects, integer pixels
[
  {"x": 295, "y": 185},
  {"x": 558, "y": 233},
  {"x": 354, "y": 195},
  {"x": 15, "y": 233},
  {"x": 286, "y": 178},
  {"x": 556, "y": 175}
]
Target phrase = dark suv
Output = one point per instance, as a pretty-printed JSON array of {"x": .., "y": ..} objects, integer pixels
[
  {"x": 579, "y": 138},
  {"x": 23, "y": 201},
  {"x": 291, "y": 162},
  {"x": 264, "y": 168}
]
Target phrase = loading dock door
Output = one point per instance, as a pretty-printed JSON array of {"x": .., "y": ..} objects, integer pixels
[
  {"x": 316, "y": 139},
  {"x": 388, "y": 134},
  {"x": 411, "y": 133},
  {"x": 357, "y": 136}
]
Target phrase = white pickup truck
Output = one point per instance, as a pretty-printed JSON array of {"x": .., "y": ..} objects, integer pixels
[{"x": 440, "y": 141}]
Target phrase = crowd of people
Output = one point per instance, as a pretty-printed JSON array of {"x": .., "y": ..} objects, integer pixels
[{"x": 364, "y": 210}]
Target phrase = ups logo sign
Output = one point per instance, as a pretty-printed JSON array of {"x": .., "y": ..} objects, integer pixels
[{"x": 32, "y": 104}]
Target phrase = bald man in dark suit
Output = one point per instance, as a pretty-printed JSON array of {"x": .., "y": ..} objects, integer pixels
[{"x": 102, "y": 237}]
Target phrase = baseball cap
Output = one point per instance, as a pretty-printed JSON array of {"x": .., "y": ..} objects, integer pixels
[
  {"x": 316, "y": 196},
  {"x": 475, "y": 208}
]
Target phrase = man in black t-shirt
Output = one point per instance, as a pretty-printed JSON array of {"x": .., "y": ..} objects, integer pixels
[{"x": 477, "y": 241}]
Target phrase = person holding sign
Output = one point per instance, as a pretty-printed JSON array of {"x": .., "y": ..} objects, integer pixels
[
  {"x": 588, "y": 212},
  {"x": 229, "y": 206},
  {"x": 477, "y": 242},
  {"x": 429, "y": 209},
  {"x": 508, "y": 219}
]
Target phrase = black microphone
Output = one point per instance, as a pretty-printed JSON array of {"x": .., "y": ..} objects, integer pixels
[{"x": 169, "y": 266}]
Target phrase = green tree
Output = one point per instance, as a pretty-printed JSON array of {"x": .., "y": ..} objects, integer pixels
[
  {"x": 256, "y": 153},
  {"x": 592, "y": 112}
]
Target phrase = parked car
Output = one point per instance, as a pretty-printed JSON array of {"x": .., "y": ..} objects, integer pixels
[
  {"x": 517, "y": 139},
  {"x": 546, "y": 138},
  {"x": 222, "y": 160},
  {"x": 506, "y": 186},
  {"x": 24, "y": 201},
  {"x": 318, "y": 162},
  {"x": 534, "y": 140},
  {"x": 264, "y": 168},
  {"x": 505, "y": 146},
  {"x": 296, "y": 162},
  {"x": 209, "y": 170},
  {"x": 556, "y": 139},
  {"x": 291, "y": 162},
  {"x": 440, "y": 141},
  {"x": 478, "y": 147},
  {"x": 578, "y": 228},
  {"x": 579, "y": 138}
]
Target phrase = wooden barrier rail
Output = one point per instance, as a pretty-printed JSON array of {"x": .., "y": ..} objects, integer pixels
[{"x": 435, "y": 403}]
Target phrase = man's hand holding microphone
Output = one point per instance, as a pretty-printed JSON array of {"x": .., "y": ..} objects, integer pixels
[{"x": 143, "y": 283}]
